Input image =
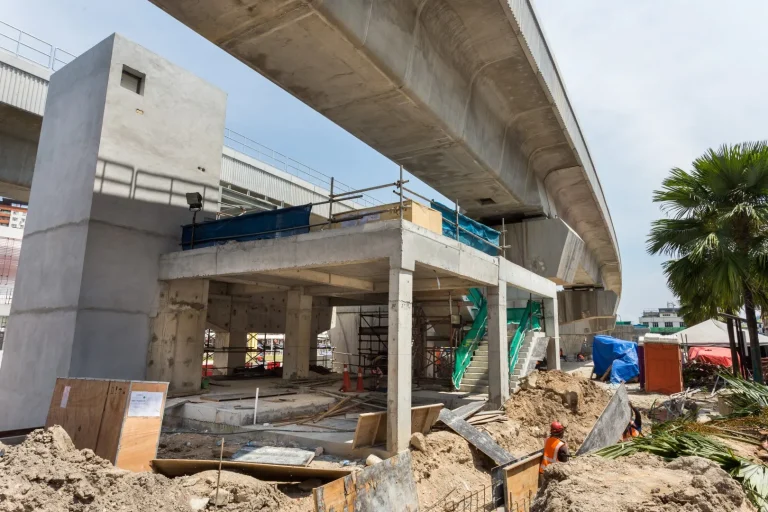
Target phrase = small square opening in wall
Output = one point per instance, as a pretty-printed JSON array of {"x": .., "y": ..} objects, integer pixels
[{"x": 132, "y": 80}]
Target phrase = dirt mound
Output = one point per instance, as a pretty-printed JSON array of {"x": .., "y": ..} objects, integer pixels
[
  {"x": 639, "y": 483},
  {"x": 447, "y": 466},
  {"x": 544, "y": 397},
  {"x": 47, "y": 472}
]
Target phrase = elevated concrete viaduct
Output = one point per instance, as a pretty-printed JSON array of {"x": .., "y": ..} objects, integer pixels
[{"x": 464, "y": 94}]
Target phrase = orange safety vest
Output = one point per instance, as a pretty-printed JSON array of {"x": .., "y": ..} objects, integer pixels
[
  {"x": 629, "y": 433},
  {"x": 551, "y": 447}
]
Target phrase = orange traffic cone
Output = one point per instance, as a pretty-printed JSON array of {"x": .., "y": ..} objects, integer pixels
[
  {"x": 360, "y": 388},
  {"x": 346, "y": 387}
]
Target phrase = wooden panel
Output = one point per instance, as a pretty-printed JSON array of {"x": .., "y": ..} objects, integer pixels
[
  {"x": 367, "y": 428},
  {"x": 521, "y": 483},
  {"x": 372, "y": 427},
  {"x": 269, "y": 472},
  {"x": 388, "y": 485},
  {"x": 112, "y": 420},
  {"x": 78, "y": 405},
  {"x": 141, "y": 433}
]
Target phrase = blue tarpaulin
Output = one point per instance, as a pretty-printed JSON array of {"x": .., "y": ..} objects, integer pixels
[
  {"x": 251, "y": 226},
  {"x": 607, "y": 351},
  {"x": 472, "y": 226}
]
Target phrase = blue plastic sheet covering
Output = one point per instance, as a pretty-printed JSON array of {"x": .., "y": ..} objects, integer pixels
[
  {"x": 251, "y": 226},
  {"x": 481, "y": 230},
  {"x": 607, "y": 350}
]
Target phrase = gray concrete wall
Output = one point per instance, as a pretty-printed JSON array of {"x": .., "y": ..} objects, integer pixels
[{"x": 108, "y": 198}]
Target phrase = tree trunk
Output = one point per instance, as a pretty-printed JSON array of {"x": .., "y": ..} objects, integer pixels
[
  {"x": 754, "y": 341},
  {"x": 734, "y": 350}
]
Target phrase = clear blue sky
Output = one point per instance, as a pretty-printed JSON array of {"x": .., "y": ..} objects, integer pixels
[{"x": 653, "y": 83}]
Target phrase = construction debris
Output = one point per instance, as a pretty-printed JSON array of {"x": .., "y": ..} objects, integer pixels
[
  {"x": 640, "y": 483},
  {"x": 480, "y": 440},
  {"x": 544, "y": 397},
  {"x": 610, "y": 425}
]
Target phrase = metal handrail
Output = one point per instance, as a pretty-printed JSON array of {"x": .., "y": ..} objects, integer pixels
[
  {"x": 260, "y": 152},
  {"x": 33, "y": 49}
]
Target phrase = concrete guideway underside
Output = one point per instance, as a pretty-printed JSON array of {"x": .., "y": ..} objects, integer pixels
[
  {"x": 387, "y": 262},
  {"x": 464, "y": 94}
]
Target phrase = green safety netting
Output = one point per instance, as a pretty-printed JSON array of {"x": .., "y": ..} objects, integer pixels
[{"x": 526, "y": 318}]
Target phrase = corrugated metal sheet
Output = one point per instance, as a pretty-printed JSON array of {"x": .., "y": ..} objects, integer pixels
[
  {"x": 526, "y": 19},
  {"x": 275, "y": 184},
  {"x": 22, "y": 90}
]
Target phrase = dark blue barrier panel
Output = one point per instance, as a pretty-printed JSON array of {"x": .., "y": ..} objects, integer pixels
[
  {"x": 251, "y": 226},
  {"x": 470, "y": 225}
]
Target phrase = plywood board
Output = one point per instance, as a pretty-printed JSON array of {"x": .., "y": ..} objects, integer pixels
[
  {"x": 367, "y": 428},
  {"x": 274, "y": 455},
  {"x": 143, "y": 420},
  {"x": 112, "y": 420},
  {"x": 480, "y": 440},
  {"x": 268, "y": 472},
  {"x": 77, "y": 406},
  {"x": 226, "y": 397},
  {"x": 521, "y": 482},
  {"x": 611, "y": 424},
  {"x": 388, "y": 485},
  {"x": 467, "y": 410},
  {"x": 372, "y": 427}
]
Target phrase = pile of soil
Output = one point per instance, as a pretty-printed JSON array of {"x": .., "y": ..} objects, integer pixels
[
  {"x": 544, "y": 397},
  {"x": 639, "y": 483},
  {"x": 448, "y": 467},
  {"x": 46, "y": 472}
]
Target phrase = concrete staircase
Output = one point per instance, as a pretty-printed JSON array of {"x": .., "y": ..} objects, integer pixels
[
  {"x": 529, "y": 354},
  {"x": 476, "y": 377}
]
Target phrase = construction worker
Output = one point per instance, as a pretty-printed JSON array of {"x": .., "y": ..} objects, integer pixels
[
  {"x": 555, "y": 449},
  {"x": 635, "y": 427}
]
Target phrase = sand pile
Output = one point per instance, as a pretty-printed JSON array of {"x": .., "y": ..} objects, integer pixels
[
  {"x": 639, "y": 483},
  {"x": 447, "y": 466},
  {"x": 48, "y": 473},
  {"x": 545, "y": 397}
]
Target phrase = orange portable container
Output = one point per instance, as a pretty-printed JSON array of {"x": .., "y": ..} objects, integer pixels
[{"x": 663, "y": 364}]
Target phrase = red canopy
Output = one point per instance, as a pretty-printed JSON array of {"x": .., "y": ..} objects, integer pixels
[{"x": 720, "y": 356}]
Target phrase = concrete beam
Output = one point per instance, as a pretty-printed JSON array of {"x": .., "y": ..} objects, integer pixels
[
  {"x": 522, "y": 279},
  {"x": 325, "y": 278},
  {"x": 578, "y": 305}
]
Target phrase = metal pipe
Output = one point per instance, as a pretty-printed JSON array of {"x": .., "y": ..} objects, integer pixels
[
  {"x": 400, "y": 189},
  {"x": 336, "y": 196},
  {"x": 417, "y": 194},
  {"x": 457, "y": 220},
  {"x": 330, "y": 204}
]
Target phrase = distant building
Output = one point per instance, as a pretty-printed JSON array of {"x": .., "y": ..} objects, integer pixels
[
  {"x": 663, "y": 320},
  {"x": 13, "y": 214}
]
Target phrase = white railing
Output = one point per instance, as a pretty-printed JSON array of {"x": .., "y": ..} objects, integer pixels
[
  {"x": 30, "y": 48},
  {"x": 286, "y": 164}
]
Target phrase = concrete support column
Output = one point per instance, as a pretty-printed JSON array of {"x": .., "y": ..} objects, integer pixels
[
  {"x": 399, "y": 359},
  {"x": 498, "y": 345},
  {"x": 551, "y": 327},
  {"x": 175, "y": 352},
  {"x": 236, "y": 342},
  {"x": 298, "y": 328},
  {"x": 220, "y": 359}
]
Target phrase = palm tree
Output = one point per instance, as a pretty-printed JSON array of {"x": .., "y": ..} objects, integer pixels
[{"x": 716, "y": 232}]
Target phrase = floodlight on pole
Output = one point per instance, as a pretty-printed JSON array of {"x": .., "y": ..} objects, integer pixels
[{"x": 195, "y": 202}]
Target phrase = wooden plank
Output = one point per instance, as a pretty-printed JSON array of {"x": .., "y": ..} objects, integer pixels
[
  {"x": 112, "y": 420},
  {"x": 480, "y": 440},
  {"x": 268, "y": 472},
  {"x": 226, "y": 397},
  {"x": 78, "y": 405},
  {"x": 274, "y": 455},
  {"x": 467, "y": 410},
  {"x": 388, "y": 485},
  {"x": 432, "y": 412},
  {"x": 367, "y": 428},
  {"x": 610, "y": 426},
  {"x": 521, "y": 482},
  {"x": 141, "y": 426}
]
